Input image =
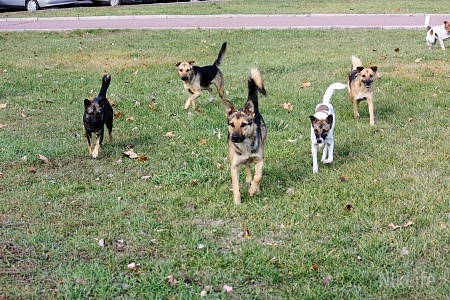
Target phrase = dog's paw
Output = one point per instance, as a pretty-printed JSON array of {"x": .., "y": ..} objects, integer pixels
[
  {"x": 254, "y": 188},
  {"x": 327, "y": 161},
  {"x": 237, "y": 199}
]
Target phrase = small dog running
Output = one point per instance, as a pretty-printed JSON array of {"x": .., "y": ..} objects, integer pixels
[
  {"x": 246, "y": 136},
  {"x": 437, "y": 33},
  {"x": 195, "y": 79},
  {"x": 360, "y": 87},
  {"x": 96, "y": 114},
  {"x": 322, "y": 127}
]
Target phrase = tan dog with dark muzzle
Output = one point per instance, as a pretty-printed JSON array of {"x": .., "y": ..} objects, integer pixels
[
  {"x": 360, "y": 87},
  {"x": 246, "y": 136}
]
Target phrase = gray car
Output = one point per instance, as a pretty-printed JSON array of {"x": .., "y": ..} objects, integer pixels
[{"x": 33, "y": 5}]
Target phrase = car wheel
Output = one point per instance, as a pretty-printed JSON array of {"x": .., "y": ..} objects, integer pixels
[
  {"x": 115, "y": 2},
  {"x": 32, "y": 5}
]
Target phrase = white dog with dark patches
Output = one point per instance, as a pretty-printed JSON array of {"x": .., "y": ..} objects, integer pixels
[
  {"x": 437, "y": 33},
  {"x": 322, "y": 127}
]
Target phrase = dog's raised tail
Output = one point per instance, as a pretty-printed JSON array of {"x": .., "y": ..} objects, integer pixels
[
  {"x": 356, "y": 62},
  {"x": 330, "y": 91},
  {"x": 427, "y": 22},
  {"x": 105, "y": 84},
  {"x": 255, "y": 84},
  {"x": 221, "y": 55}
]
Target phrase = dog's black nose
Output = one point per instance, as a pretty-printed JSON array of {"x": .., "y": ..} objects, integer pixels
[
  {"x": 184, "y": 78},
  {"x": 319, "y": 141}
]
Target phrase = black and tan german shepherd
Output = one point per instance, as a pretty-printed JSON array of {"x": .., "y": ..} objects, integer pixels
[
  {"x": 246, "y": 136},
  {"x": 195, "y": 79},
  {"x": 96, "y": 114}
]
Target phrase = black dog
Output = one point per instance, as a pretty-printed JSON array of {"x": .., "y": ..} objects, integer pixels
[{"x": 98, "y": 113}]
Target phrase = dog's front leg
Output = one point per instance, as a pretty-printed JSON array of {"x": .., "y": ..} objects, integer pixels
[
  {"x": 355, "y": 108},
  {"x": 191, "y": 100},
  {"x": 441, "y": 41},
  {"x": 314, "y": 157},
  {"x": 371, "y": 111},
  {"x": 97, "y": 145},
  {"x": 248, "y": 173},
  {"x": 254, "y": 187},
  {"x": 328, "y": 148},
  {"x": 89, "y": 138},
  {"x": 235, "y": 183}
]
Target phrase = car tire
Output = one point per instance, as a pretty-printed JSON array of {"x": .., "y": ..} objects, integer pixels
[
  {"x": 32, "y": 5},
  {"x": 115, "y": 2}
]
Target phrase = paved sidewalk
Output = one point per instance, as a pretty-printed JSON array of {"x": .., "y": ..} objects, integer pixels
[{"x": 307, "y": 21}]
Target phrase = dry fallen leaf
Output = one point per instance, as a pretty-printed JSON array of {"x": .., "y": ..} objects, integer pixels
[
  {"x": 410, "y": 119},
  {"x": 130, "y": 119},
  {"x": 228, "y": 289},
  {"x": 288, "y": 106},
  {"x": 171, "y": 280},
  {"x": 418, "y": 60},
  {"x": 118, "y": 115},
  {"x": 397, "y": 49},
  {"x": 43, "y": 158},
  {"x": 2, "y": 106},
  {"x": 395, "y": 227},
  {"x": 246, "y": 233},
  {"x": 132, "y": 266},
  {"x": 3, "y": 125},
  {"x": 404, "y": 251},
  {"x": 169, "y": 134},
  {"x": 130, "y": 153},
  {"x": 202, "y": 141},
  {"x": 306, "y": 84},
  {"x": 315, "y": 267},
  {"x": 142, "y": 158}
]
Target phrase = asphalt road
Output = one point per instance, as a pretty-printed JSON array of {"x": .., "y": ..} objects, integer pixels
[{"x": 307, "y": 21}]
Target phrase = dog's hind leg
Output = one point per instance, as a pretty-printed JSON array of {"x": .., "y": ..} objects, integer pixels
[
  {"x": 211, "y": 95},
  {"x": 441, "y": 41},
  {"x": 254, "y": 187},
  {"x": 109, "y": 126}
]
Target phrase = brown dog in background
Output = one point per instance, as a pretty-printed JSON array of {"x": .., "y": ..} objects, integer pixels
[
  {"x": 195, "y": 79},
  {"x": 246, "y": 136},
  {"x": 360, "y": 87}
]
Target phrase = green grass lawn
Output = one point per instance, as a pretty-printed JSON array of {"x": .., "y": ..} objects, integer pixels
[
  {"x": 70, "y": 227},
  {"x": 248, "y": 7}
]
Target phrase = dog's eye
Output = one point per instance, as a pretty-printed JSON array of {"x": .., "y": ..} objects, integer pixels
[
  {"x": 244, "y": 124},
  {"x": 231, "y": 124}
]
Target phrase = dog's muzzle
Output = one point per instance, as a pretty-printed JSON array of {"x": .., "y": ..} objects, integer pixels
[
  {"x": 367, "y": 83},
  {"x": 184, "y": 78},
  {"x": 319, "y": 141},
  {"x": 237, "y": 138}
]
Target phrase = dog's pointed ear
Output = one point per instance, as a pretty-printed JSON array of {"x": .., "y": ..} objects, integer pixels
[
  {"x": 87, "y": 103},
  {"x": 330, "y": 119},
  {"x": 191, "y": 62},
  {"x": 359, "y": 69},
  {"x": 229, "y": 108},
  {"x": 177, "y": 64},
  {"x": 249, "y": 108},
  {"x": 313, "y": 119},
  {"x": 374, "y": 68}
]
